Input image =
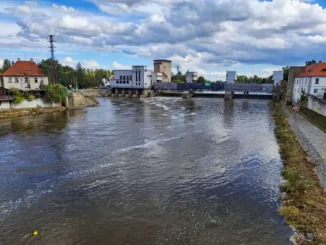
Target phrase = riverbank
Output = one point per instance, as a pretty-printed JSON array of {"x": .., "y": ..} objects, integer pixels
[
  {"x": 12, "y": 113},
  {"x": 304, "y": 202}
]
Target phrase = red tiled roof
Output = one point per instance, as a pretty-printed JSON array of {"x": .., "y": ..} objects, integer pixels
[
  {"x": 23, "y": 69},
  {"x": 314, "y": 70}
]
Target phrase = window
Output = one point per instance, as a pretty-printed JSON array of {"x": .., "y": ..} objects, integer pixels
[
  {"x": 16, "y": 80},
  {"x": 127, "y": 82},
  {"x": 10, "y": 79},
  {"x": 26, "y": 80},
  {"x": 124, "y": 82},
  {"x": 42, "y": 81},
  {"x": 35, "y": 80},
  {"x": 123, "y": 77},
  {"x": 120, "y": 77},
  {"x": 315, "y": 91},
  {"x": 317, "y": 81},
  {"x": 297, "y": 81}
]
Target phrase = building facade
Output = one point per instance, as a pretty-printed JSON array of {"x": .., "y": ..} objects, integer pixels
[
  {"x": 231, "y": 76},
  {"x": 157, "y": 77},
  {"x": 164, "y": 67},
  {"x": 191, "y": 77},
  {"x": 25, "y": 76},
  {"x": 310, "y": 81},
  {"x": 293, "y": 72},
  {"x": 139, "y": 77},
  {"x": 278, "y": 77}
]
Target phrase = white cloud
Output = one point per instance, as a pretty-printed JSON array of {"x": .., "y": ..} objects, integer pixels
[
  {"x": 118, "y": 66},
  {"x": 91, "y": 64}
]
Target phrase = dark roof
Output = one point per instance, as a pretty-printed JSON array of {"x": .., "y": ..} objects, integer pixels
[
  {"x": 23, "y": 69},
  {"x": 159, "y": 61}
]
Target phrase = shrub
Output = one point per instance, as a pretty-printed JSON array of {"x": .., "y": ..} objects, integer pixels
[
  {"x": 30, "y": 97},
  {"x": 293, "y": 181},
  {"x": 290, "y": 212},
  {"x": 56, "y": 93},
  {"x": 18, "y": 96}
]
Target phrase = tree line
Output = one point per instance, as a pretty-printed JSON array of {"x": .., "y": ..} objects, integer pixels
[{"x": 67, "y": 76}]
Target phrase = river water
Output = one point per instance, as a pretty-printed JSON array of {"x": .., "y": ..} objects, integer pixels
[{"x": 159, "y": 171}]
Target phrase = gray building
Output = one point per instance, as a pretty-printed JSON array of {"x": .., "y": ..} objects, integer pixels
[{"x": 293, "y": 72}]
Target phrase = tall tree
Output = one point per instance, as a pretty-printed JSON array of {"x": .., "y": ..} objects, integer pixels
[
  {"x": 201, "y": 79},
  {"x": 286, "y": 73},
  {"x": 6, "y": 65}
]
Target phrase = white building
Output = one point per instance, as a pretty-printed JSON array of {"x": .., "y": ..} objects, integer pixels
[
  {"x": 231, "y": 76},
  {"x": 24, "y": 75},
  {"x": 191, "y": 77},
  {"x": 311, "y": 80},
  {"x": 278, "y": 77},
  {"x": 157, "y": 77},
  {"x": 139, "y": 77}
]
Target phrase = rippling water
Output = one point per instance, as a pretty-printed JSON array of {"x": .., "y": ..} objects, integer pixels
[{"x": 134, "y": 172}]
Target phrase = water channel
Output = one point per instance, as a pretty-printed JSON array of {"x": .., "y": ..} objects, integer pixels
[{"x": 161, "y": 171}]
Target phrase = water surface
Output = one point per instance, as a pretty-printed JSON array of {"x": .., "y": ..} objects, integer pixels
[{"x": 135, "y": 172}]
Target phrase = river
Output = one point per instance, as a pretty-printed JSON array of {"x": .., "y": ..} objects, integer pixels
[{"x": 161, "y": 171}]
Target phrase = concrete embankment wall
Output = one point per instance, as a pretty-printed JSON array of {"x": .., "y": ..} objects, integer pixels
[
  {"x": 312, "y": 140},
  {"x": 94, "y": 92},
  {"x": 316, "y": 104}
]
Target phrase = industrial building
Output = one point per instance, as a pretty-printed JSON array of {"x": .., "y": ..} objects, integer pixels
[
  {"x": 139, "y": 77},
  {"x": 191, "y": 77},
  {"x": 278, "y": 77},
  {"x": 164, "y": 67},
  {"x": 231, "y": 76},
  {"x": 310, "y": 80}
]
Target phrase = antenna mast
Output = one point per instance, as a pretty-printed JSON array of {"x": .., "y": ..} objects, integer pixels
[{"x": 53, "y": 63}]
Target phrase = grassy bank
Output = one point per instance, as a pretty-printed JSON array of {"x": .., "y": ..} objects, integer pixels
[
  {"x": 12, "y": 113},
  {"x": 304, "y": 205},
  {"x": 314, "y": 118}
]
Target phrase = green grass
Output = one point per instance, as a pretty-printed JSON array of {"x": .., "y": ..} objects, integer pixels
[{"x": 314, "y": 118}]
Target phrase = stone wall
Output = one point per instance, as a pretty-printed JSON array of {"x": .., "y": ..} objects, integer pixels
[
  {"x": 94, "y": 92},
  {"x": 33, "y": 104},
  {"x": 317, "y": 104}
]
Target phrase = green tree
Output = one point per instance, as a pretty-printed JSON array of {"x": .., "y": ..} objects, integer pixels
[
  {"x": 286, "y": 73},
  {"x": 6, "y": 65},
  {"x": 201, "y": 79}
]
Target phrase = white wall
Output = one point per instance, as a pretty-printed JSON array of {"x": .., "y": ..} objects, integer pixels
[
  {"x": 33, "y": 104},
  {"x": 4, "y": 105},
  {"x": 308, "y": 84},
  {"x": 317, "y": 105},
  {"x": 121, "y": 76},
  {"x": 157, "y": 77},
  {"x": 10, "y": 82},
  {"x": 191, "y": 77},
  {"x": 318, "y": 89},
  {"x": 231, "y": 76},
  {"x": 277, "y": 77},
  {"x": 141, "y": 78}
]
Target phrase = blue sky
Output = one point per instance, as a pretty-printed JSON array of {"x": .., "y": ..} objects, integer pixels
[{"x": 207, "y": 36}]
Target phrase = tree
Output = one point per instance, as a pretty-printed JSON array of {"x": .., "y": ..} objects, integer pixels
[
  {"x": 201, "y": 79},
  {"x": 178, "y": 78},
  {"x": 6, "y": 65},
  {"x": 286, "y": 73}
]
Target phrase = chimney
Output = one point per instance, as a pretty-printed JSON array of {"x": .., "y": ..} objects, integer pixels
[
  {"x": 18, "y": 59},
  {"x": 31, "y": 59}
]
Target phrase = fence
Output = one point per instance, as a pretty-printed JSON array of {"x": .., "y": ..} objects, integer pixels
[
  {"x": 189, "y": 86},
  {"x": 266, "y": 88}
]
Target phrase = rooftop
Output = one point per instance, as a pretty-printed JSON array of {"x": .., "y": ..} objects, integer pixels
[
  {"x": 23, "y": 69},
  {"x": 314, "y": 70}
]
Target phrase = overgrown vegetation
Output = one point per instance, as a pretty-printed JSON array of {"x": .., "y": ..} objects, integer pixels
[
  {"x": 55, "y": 93},
  {"x": 304, "y": 205},
  {"x": 18, "y": 96}
]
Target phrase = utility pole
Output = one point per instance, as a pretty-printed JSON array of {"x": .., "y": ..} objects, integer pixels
[{"x": 52, "y": 47}]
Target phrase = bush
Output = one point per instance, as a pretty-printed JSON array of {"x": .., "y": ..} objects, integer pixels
[
  {"x": 30, "y": 97},
  {"x": 293, "y": 181},
  {"x": 18, "y": 96},
  {"x": 56, "y": 93},
  {"x": 290, "y": 212}
]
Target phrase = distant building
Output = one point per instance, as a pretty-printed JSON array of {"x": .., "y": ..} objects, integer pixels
[
  {"x": 24, "y": 75},
  {"x": 310, "y": 80},
  {"x": 231, "y": 76},
  {"x": 191, "y": 77},
  {"x": 157, "y": 77},
  {"x": 139, "y": 77},
  {"x": 164, "y": 67},
  {"x": 293, "y": 72},
  {"x": 278, "y": 77}
]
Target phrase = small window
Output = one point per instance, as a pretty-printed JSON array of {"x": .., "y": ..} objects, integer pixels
[
  {"x": 35, "y": 80},
  {"x": 120, "y": 77},
  {"x": 10, "y": 80},
  {"x": 317, "y": 81},
  {"x": 127, "y": 82},
  {"x": 123, "y": 77},
  {"x": 26, "y": 80},
  {"x": 16, "y": 80},
  {"x": 315, "y": 91},
  {"x": 42, "y": 80},
  {"x": 124, "y": 82}
]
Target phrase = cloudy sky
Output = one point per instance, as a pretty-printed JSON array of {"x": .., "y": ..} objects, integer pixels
[{"x": 207, "y": 36}]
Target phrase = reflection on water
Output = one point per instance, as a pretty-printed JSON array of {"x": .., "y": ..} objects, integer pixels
[{"x": 153, "y": 171}]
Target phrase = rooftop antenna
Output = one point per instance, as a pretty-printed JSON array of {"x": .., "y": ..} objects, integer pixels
[
  {"x": 52, "y": 47},
  {"x": 178, "y": 68}
]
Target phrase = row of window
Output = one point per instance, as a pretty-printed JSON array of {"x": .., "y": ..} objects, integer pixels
[
  {"x": 26, "y": 80},
  {"x": 125, "y": 77},
  {"x": 127, "y": 82},
  {"x": 305, "y": 81}
]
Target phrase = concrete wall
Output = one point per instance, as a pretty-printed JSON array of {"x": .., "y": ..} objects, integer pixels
[
  {"x": 33, "y": 104},
  {"x": 23, "y": 82},
  {"x": 316, "y": 104},
  {"x": 4, "y": 105},
  {"x": 293, "y": 72}
]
